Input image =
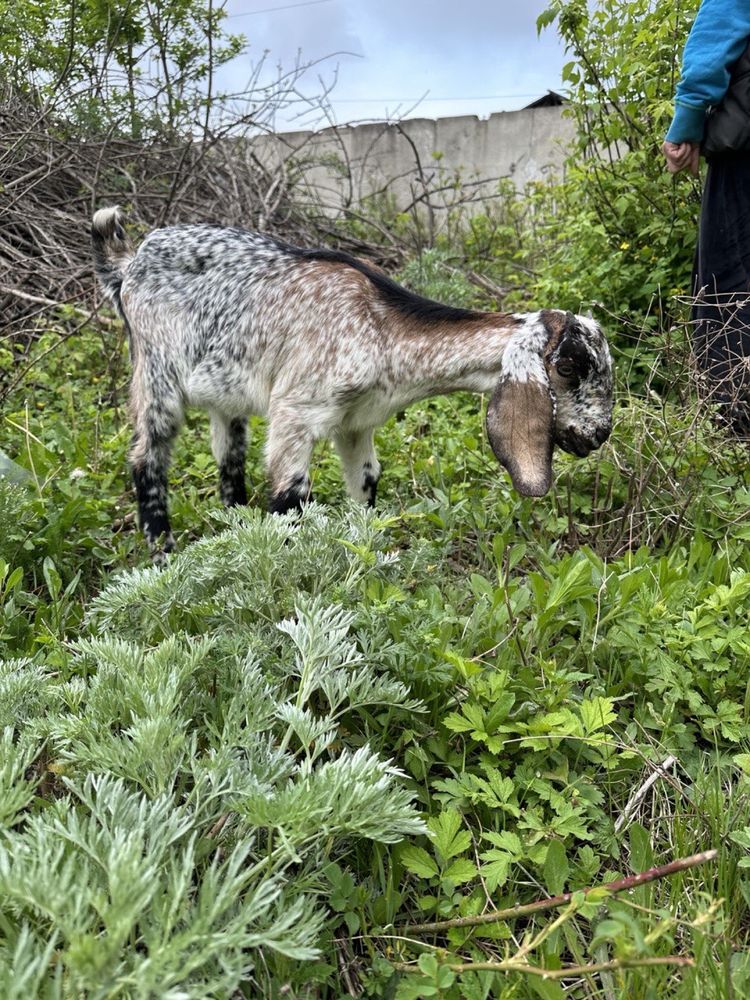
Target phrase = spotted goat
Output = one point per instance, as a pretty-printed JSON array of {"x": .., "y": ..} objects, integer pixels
[{"x": 327, "y": 346}]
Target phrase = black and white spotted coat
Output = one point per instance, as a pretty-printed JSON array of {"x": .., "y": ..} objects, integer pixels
[{"x": 327, "y": 346}]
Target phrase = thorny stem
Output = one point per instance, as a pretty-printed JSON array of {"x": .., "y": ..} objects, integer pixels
[{"x": 619, "y": 885}]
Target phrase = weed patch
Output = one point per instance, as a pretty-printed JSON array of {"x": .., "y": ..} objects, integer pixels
[{"x": 253, "y": 768}]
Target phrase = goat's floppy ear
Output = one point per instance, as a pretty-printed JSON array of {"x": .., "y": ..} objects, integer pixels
[{"x": 520, "y": 427}]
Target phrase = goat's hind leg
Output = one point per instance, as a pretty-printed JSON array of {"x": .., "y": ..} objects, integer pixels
[
  {"x": 360, "y": 464},
  {"x": 229, "y": 445},
  {"x": 156, "y": 425}
]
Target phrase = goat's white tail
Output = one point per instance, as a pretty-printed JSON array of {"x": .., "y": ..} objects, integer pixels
[{"x": 112, "y": 251}]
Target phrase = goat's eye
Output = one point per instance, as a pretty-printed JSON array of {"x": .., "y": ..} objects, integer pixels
[{"x": 566, "y": 368}]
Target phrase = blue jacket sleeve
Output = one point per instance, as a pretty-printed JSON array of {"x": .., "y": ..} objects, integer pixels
[{"x": 717, "y": 39}]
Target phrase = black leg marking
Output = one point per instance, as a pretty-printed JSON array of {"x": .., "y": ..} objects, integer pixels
[
  {"x": 232, "y": 468},
  {"x": 369, "y": 483},
  {"x": 150, "y": 464},
  {"x": 292, "y": 498},
  {"x": 360, "y": 464},
  {"x": 151, "y": 491}
]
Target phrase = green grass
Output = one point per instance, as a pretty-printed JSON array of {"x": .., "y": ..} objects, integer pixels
[{"x": 195, "y": 794}]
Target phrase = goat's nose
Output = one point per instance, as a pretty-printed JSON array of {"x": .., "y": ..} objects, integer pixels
[{"x": 602, "y": 433}]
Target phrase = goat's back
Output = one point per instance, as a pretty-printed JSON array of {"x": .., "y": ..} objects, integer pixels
[{"x": 235, "y": 314}]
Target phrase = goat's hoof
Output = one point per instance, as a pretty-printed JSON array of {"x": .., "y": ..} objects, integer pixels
[{"x": 160, "y": 553}]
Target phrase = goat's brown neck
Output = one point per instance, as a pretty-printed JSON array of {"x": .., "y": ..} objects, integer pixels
[{"x": 451, "y": 355}]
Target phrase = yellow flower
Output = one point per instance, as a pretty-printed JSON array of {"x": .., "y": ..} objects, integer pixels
[{"x": 624, "y": 246}]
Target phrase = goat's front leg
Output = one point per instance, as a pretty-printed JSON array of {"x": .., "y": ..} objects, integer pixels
[
  {"x": 360, "y": 464},
  {"x": 288, "y": 453}
]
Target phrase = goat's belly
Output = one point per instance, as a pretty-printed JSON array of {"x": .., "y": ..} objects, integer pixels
[
  {"x": 232, "y": 392},
  {"x": 370, "y": 410}
]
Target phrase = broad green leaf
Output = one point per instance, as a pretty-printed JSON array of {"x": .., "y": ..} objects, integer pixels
[
  {"x": 457, "y": 723},
  {"x": 428, "y": 964},
  {"x": 418, "y": 861},
  {"x": 574, "y": 581},
  {"x": 474, "y": 714},
  {"x": 556, "y": 868},
  {"x": 499, "y": 711},
  {"x": 547, "y": 989},
  {"x": 507, "y": 841},
  {"x": 641, "y": 852},
  {"x": 596, "y": 713},
  {"x": 495, "y": 872},
  {"x": 51, "y": 578},
  {"x": 445, "y": 977},
  {"x": 461, "y": 870},
  {"x": 448, "y": 838}
]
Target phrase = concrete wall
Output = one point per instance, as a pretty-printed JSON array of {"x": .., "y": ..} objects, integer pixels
[{"x": 418, "y": 160}]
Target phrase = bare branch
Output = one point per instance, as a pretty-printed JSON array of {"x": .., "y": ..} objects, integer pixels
[{"x": 524, "y": 910}]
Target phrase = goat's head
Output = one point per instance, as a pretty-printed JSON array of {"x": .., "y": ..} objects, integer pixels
[{"x": 555, "y": 388}]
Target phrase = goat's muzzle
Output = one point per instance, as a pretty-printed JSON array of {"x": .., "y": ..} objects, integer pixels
[{"x": 575, "y": 443}]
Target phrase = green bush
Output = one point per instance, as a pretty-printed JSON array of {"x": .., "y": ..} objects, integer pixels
[
  {"x": 271, "y": 702},
  {"x": 192, "y": 770},
  {"x": 258, "y": 772}
]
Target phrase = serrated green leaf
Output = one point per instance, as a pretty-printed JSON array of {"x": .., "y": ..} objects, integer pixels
[
  {"x": 506, "y": 841},
  {"x": 474, "y": 714},
  {"x": 499, "y": 711},
  {"x": 457, "y": 723},
  {"x": 448, "y": 838},
  {"x": 418, "y": 861},
  {"x": 596, "y": 713},
  {"x": 461, "y": 870},
  {"x": 413, "y": 988},
  {"x": 546, "y": 989},
  {"x": 495, "y": 873}
]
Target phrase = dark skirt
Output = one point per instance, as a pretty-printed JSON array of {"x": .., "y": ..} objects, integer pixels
[{"x": 721, "y": 277}]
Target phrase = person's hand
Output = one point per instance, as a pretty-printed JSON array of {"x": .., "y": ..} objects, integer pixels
[{"x": 682, "y": 156}]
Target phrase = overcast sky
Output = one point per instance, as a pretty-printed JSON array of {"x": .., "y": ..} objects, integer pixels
[{"x": 399, "y": 58}]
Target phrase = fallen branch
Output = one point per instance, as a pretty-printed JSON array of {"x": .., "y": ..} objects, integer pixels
[
  {"x": 522, "y": 910},
  {"x": 569, "y": 972}
]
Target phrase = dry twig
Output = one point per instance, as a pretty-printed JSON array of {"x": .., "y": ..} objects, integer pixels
[{"x": 523, "y": 910}]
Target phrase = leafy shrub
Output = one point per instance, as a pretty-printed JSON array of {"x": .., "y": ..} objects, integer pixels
[
  {"x": 194, "y": 786},
  {"x": 254, "y": 772},
  {"x": 518, "y": 662},
  {"x": 628, "y": 229}
]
